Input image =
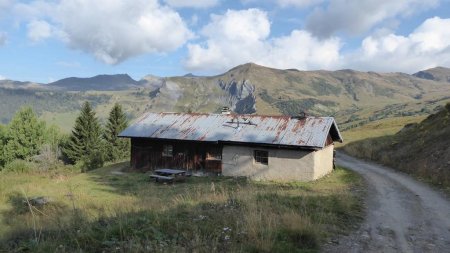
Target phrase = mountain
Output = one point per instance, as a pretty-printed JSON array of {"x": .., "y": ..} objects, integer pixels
[
  {"x": 439, "y": 74},
  {"x": 11, "y": 84},
  {"x": 421, "y": 149},
  {"x": 99, "y": 82},
  {"x": 353, "y": 97}
]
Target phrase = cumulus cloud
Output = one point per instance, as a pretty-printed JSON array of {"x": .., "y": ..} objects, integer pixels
[
  {"x": 427, "y": 46},
  {"x": 112, "y": 31},
  {"x": 38, "y": 30},
  {"x": 356, "y": 17},
  {"x": 192, "y": 4},
  {"x": 243, "y": 36},
  {"x": 2, "y": 78},
  {"x": 298, "y": 3},
  {"x": 4, "y": 4}
]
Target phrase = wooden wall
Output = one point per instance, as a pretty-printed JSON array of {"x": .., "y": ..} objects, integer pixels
[{"x": 147, "y": 154}]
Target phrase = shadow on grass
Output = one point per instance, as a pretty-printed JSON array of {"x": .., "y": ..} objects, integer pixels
[
  {"x": 134, "y": 183},
  {"x": 207, "y": 226},
  {"x": 21, "y": 205}
]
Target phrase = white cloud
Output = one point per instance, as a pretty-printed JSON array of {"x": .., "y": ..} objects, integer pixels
[
  {"x": 2, "y": 78},
  {"x": 298, "y": 3},
  {"x": 38, "y": 30},
  {"x": 242, "y": 26},
  {"x": 427, "y": 46},
  {"x": 303, "y": 51},
  {"x": 5, "y": 4},
  {"x": 192, "y": 4},
  {"x": 356, "y": 17},
  {"x": 243, "y": 36},
  {"x": 112, "y": 31}
]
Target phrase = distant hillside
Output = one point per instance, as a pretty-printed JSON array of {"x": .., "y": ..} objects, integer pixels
[
  {"x": 11, "y": 84},
  {"x": 421, "y": 149},
  {"x": 99, "y": 82},
  {"x": 355, "y": 98},
  {"x": 439, "y": 74}
]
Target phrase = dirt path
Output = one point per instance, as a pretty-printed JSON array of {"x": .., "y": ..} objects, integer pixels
[{"x": 403, "y": 215}]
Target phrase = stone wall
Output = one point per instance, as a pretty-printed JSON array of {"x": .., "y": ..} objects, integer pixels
[
  {"x": 323, "y": 161},
  {"x": 283, "y": 165}
]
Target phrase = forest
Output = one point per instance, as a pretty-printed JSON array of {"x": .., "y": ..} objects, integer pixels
[{"x": 28, "y": 144}]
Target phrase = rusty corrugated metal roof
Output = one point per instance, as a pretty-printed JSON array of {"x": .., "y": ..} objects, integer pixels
[{"x": 309, "y": 132}]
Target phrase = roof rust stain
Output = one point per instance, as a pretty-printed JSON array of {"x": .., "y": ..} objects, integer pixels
[
  {"x": 299, "y": 124},
  {"x": 276, "y": 130}
]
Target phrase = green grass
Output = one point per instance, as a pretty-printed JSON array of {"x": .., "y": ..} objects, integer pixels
[
  {"x": 64, "y": 120},
  {"x": 101, "y": 211},
  {"x": 383, "y": 127},
  {"x": 420, "y": 149}
]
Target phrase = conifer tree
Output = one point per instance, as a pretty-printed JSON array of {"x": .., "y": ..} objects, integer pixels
[
  {"x": 85, "y": 143},
  {"x": 24, "y": 136},
  {"x": 116, "y": 148}
]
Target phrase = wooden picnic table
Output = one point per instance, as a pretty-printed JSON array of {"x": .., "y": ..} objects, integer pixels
[
  {"x": 168, "y": 175},
  {"x": 170, "y": 172}
]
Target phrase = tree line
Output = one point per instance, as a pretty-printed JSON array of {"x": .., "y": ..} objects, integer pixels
[{"x": 89, "y": 146}]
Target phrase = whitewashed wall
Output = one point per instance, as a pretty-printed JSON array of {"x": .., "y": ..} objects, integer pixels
[
  {"x": 323, "y": 161},
  {"x": 284, "y": 165}
]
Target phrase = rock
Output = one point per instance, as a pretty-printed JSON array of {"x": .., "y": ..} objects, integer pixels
[{"x": 38, "y": 201}]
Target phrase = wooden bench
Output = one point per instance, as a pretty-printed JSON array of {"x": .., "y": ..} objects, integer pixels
[{"x": 159, "y": 178}]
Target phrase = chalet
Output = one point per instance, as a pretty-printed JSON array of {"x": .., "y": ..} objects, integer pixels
[{"x": 260, "y": 147}]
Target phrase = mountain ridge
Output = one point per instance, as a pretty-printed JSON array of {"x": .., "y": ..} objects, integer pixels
[
  {"x": 110, "y": 82},
  {"x": 98, "y": 82},
  {"x": 353, "y": 97},
  {"x": 440, "y": 74}
]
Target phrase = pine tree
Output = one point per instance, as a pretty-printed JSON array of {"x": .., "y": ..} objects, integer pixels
[
  {"x": 25, "y": 136},
  {"x": 85, "y": 142},
  {"x": 116, "y": 148}
]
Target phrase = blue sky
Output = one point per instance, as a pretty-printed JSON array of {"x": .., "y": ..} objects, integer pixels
[{"x": 43, "y": 41}]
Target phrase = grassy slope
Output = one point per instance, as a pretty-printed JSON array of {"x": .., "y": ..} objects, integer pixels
[
  {"x": 378, "y": 128},
  {"x": 422, "y": 150},
  {"x": 99, "y": 211},
  {"x": 354, "y": 98}
]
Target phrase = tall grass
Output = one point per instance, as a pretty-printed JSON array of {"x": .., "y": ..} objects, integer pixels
[
  {"x": 420, "y": 149},
  {"x": 99, "y": 211}
]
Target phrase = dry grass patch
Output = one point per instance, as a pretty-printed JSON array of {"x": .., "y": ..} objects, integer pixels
[{"x": 100, "y": 211}]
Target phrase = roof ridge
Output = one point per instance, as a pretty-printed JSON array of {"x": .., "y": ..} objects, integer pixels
[{"x": 237, "y": 115}]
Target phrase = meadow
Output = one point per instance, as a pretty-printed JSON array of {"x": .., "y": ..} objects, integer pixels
[
  {"x": 107, "y": 210},
  {"x": 419, "y": 148}
]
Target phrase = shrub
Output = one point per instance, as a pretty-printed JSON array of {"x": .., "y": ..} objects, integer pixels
[
  {"x": 19, "y": 166},
  {"x": 92, "y": 161}
]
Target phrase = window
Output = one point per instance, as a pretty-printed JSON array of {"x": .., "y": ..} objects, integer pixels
[
  {"x": 261, "y": 157},
  {"x": 167, "y": 150}
]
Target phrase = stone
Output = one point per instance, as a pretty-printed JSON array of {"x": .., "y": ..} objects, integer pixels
[{"x": 38, "y": 201}]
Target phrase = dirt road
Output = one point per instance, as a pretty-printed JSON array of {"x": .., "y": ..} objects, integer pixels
[{"x": 403, "y": 215}]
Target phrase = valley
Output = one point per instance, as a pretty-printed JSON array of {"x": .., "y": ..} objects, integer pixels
[{"x": 396, "y": 119}]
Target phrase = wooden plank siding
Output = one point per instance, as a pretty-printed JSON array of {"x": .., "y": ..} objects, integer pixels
[{"x": 147, "y": 154}]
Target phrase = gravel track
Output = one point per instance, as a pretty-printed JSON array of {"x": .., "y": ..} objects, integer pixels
[{"x": 402, "y": 214}]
